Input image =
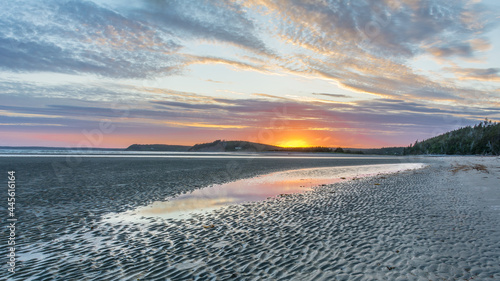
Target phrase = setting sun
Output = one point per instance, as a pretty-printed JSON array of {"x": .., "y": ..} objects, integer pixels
[{"x": 293, "y": 143}]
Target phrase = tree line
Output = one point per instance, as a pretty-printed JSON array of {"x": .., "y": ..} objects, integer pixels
[{"x": 481, "y": 139}]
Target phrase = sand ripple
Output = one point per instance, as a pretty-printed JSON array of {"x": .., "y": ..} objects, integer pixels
[{"x": 417, "y": 225}]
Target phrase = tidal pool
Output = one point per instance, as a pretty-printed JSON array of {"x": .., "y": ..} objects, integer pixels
[{"x": 257, "y": 189}]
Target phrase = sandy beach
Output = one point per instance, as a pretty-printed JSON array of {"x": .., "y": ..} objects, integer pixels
[{"x": 441, "y": 222}]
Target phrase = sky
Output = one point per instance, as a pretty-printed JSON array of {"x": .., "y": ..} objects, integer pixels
[{"x": 360, "y": 74}]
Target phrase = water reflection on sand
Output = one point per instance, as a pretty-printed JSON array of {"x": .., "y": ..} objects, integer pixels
[{"x": 260, "y": 188}]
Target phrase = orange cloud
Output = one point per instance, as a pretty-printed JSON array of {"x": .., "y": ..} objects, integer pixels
[{"x": 203, "y": 125}]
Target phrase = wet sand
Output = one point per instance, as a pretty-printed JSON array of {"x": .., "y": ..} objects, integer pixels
[
  {"x": 437, "y": 223},
  {"x": 56, "y": 192}
]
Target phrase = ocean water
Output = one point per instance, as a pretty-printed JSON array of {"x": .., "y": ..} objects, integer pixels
[{"x": 114, "y": 153}]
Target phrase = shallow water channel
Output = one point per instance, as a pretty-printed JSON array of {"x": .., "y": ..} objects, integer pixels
[{"x": 256, "y": 189}]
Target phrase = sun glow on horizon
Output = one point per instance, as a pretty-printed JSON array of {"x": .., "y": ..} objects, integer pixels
[{"x": 294, "y": 143}]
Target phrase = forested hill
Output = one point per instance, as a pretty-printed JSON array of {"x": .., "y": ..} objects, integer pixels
[
  {"x": 223, "y": 146},
  {"x": 483, "y": 139},
  {"x": 157, "y": 147}
]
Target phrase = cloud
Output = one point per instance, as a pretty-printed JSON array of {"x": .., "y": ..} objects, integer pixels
[
  {"x": 271, "y": 96},
  {"x": 332, "y": 95},
  {"x": 140, "y": 40},
  {"x": 479, "y": 74},
  {"x": 455, "y": 49},
  {"x": 178, "y": 107},
  {"x": 216, "y": 60},
  {"x": 463, "y": 49},
  {"x": 82, "y": 37},
  {"x": 376, "y": 118},
  {"x": 361, "y": 46},
  {"x": 224, "y": 21},
  {"x": 365, "y": 45},
  {"x": 214, "y": 81},
  {"x": 348, "y": 40},
  {"x": 376, "y": 27}
]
